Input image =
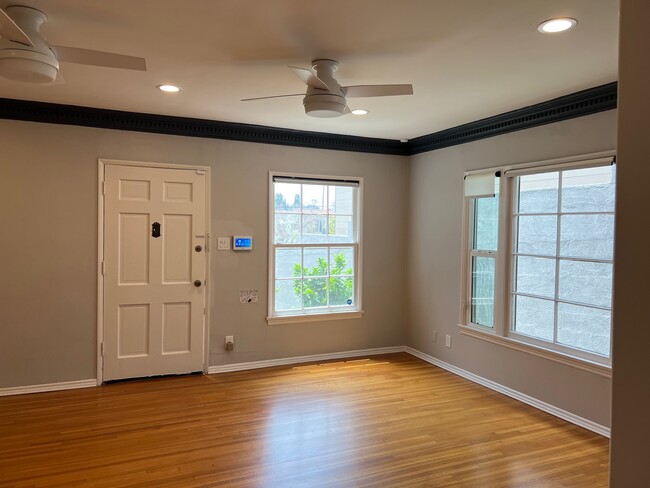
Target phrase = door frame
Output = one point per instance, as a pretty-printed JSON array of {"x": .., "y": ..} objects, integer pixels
[{"x": 101, "y": 165}]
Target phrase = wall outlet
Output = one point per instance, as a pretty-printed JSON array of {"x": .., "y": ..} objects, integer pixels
[
  {"x": 223, "y": 243},
  {"x": 435, "y": 336},
  {"x": 249, "y": 296},
  {"x": 229, "y": 343},
  {"x": 448, "y": 340}
]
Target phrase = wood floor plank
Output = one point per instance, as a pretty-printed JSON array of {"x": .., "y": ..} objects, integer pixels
[{"x": 386, "y": 421}]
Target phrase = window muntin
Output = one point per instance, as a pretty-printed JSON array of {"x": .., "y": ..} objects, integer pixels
[
  {"x": 561, "y": 259},
  {"x": 552, "y": 278},
  {"x": 315, "y": 246}
]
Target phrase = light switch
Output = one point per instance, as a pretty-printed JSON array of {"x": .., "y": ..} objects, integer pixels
[{"x": 223, "y": 243}]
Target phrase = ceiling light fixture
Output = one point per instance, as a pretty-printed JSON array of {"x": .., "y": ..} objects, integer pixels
[
  {"x": 551, "y": 26},
  {"x": 169, "y": 88},
  {"x": 359, "y": 111}
]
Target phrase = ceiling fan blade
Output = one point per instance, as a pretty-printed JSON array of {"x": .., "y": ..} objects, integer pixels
[
  {"x": 98, "y": 58},
  {"x": 9, "y": 30},
  {"x": 361, "y": 91},
  {"x": 59, "y": 79},
  {"x": 274, "y": 96},
  {"x": 309, "y": 78}
]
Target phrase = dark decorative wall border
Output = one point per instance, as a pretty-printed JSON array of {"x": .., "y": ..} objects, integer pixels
[
  {"x": 578, "y": 104},
  {"x": 180, "y": 126}
]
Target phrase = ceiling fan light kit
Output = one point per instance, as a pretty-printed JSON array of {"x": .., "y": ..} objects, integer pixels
[{"x": 26, "y": 56}]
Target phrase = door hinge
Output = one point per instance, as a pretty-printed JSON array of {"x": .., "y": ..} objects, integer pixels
[
  {"x": 102, "y": 349},
  {"x": 103, "y": 188},
  {"x": 103, "y": 268}
]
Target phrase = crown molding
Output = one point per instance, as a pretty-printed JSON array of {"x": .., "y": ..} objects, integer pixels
[
  {"x": 53, "y": 113},
  {"x": 578, "y": 104},
  {"x": 585, "y": 102}
]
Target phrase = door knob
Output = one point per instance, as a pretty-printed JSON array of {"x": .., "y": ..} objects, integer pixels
[{"x": 197, "y": 283}]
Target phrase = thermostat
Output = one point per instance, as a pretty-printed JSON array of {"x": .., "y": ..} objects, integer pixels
[{"x": 242, "y": 243}]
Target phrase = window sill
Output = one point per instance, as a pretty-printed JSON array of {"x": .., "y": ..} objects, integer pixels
[
  {"x": 558, "y": 357},
  {"x": 316, "y": 317}
]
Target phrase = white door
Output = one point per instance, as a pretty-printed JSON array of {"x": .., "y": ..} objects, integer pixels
[{"x": 155, "y": 268}]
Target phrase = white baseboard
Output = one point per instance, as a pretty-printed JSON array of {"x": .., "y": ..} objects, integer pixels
[
  {"x": 225, "y": 368},
  {"x": 534, "y": 402},
  {"x": 64, "y": 385}
]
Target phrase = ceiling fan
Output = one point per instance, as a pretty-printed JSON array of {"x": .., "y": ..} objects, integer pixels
[
  {"x": 326, "y": 98},
  {"x": 25, "y": 55}
]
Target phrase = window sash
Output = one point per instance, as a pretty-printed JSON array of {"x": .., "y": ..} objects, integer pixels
[
  {"x": 513, "y": 177},
  {"x": 353, "y": 244}
]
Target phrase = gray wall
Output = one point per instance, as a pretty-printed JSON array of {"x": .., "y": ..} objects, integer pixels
[
  {"x": 631, "y": 381},
  {"x": 434, "y": 262},
  {"x": 48, "y": 251},
  {"x": 48, "y": 246}
]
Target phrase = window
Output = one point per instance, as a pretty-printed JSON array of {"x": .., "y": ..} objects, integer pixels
[
  {"x": 315, "y": 254},
  {"x": 540, "y": 257},
  {"x": 483, "y": 248}
]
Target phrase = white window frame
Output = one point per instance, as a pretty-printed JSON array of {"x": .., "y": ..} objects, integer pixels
[
  {"x": 500, "y": 333},
  {"x": 300, "y": 316}
]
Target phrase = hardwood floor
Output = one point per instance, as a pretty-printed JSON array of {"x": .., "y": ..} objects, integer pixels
[{"x": 387, "y": 421}]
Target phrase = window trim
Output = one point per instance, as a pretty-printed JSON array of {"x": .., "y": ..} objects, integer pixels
[
  {"x": 500, "y": 333},
  {"x": 290, "y": 316}
]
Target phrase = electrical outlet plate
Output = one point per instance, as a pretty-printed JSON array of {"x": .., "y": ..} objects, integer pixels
[
  {"x": 249, "y": 296},
  {"x": 448, "y": 340}
]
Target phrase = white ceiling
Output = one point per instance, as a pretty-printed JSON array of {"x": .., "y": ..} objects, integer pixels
[{"x": 466, "y": 59}]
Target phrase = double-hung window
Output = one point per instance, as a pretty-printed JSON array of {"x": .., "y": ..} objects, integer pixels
[
  {"x": 539, "y": 260},
  {"x": 314, "y": 252}
]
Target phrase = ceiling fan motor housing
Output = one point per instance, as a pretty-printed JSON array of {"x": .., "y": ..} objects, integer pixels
[
  {"x": 18, "y": 62},
  {"x": 321, "y": 103}
]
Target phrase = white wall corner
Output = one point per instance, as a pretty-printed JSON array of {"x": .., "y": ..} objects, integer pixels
[{"x": 533, "y": 402}]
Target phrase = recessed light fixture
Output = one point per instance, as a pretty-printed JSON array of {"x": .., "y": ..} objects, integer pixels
[
  {"x": 551, "y": 26},
  {"x": 359, "y": 111},
  {"x": 169, "y": 88}
]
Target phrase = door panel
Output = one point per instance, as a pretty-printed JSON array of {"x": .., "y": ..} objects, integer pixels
[
  {"x": 134, "y": 249},
  {"x": 177, "y": 262},
  {"x": 177, "y": 319},
  {"x": 133, "y": 330},
  {"x": 153, "y": 313}
]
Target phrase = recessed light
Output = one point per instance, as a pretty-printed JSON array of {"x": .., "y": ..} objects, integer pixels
[
  {"x": 551, "y": 26},
  {"x": 359, "y": 111},
  {"x": 169, "y": 88}
]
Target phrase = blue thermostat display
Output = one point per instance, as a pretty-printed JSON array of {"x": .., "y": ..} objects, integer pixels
[{"x": 242, "y": 243}]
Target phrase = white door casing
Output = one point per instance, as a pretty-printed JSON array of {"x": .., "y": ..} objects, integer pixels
[{"x": 153, "y": 319}]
